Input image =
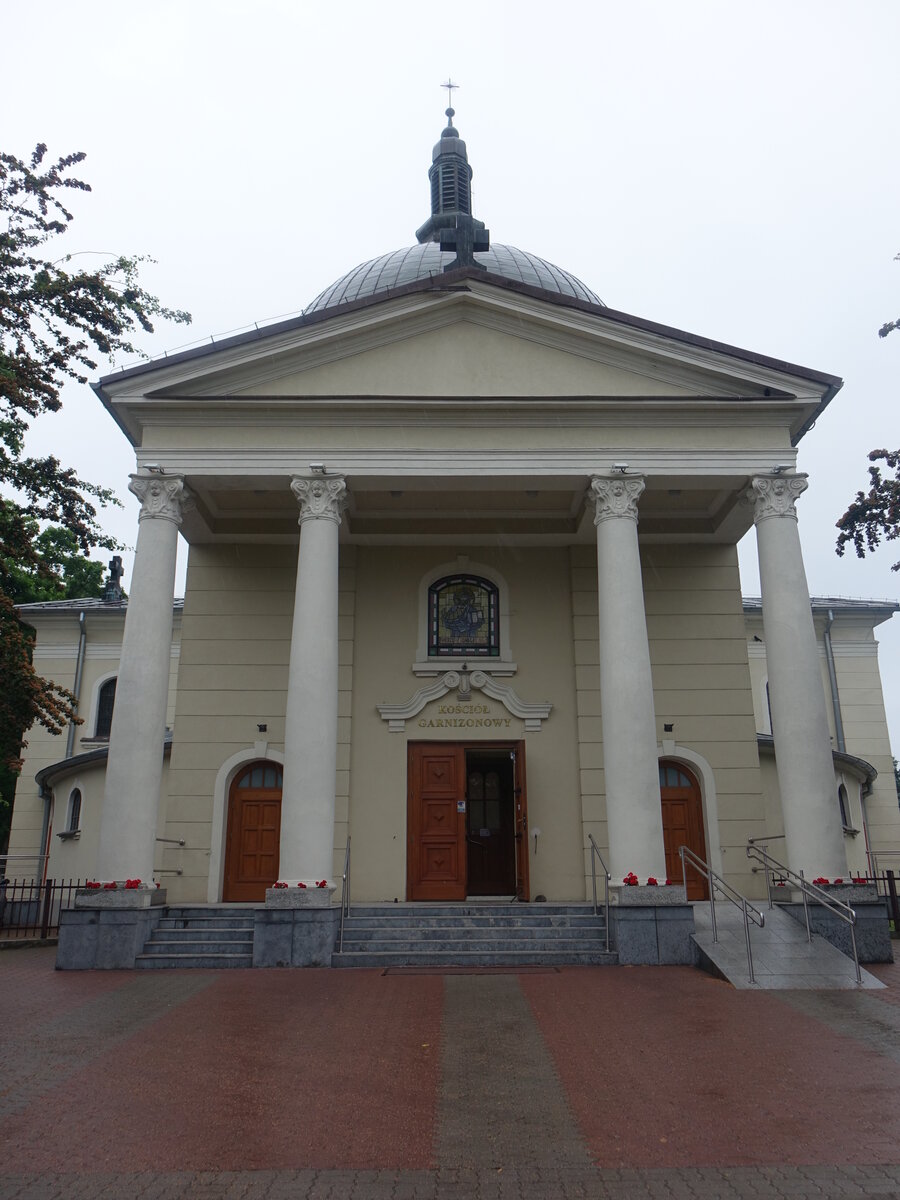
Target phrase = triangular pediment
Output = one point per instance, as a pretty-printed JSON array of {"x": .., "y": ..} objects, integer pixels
[{"x": 477, "y": 344}]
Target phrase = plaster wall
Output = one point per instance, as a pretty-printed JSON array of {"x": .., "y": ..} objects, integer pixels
[
  {"x": 540, "y": 631},
  {"x": 701, "y": 683}
]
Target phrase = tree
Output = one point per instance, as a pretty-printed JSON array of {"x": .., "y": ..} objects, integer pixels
[
  {"x": 875, "y": 514},
  {"x": 890, "y": 325},
  {"x": 55, "y": 322}
]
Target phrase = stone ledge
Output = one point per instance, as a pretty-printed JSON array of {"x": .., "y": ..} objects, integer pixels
[
  {"x": 646, "y": 894},
  {"x": 119, "y": 897},
  {"x": 297, "y": 897}
]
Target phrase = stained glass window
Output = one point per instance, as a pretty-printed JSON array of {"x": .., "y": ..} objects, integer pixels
[{"x": 463, "y": 617}]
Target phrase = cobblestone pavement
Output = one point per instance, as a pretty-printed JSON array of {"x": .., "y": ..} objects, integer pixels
[{"x": 312, "y": 1085}]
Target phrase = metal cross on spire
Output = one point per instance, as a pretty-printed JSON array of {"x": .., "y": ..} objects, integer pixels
[{"x": 451, "y": 88}]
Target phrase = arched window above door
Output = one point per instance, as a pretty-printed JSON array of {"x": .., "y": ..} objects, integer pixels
[{"x": 463, "y": 619}]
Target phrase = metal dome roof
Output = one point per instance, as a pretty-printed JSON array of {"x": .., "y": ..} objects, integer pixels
[{"x": 420, "y": 262}]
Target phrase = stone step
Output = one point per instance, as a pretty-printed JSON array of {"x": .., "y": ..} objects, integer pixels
[
  {"x": 542, "y": 933},
  {"x": 165, "y": 946},
  {"x": 199, "y": 925},
  {"x": 476, "y": 923},
  {"x": 424, "y": 910},
  {"x": 451, "y": 945},
  {"x": 203, "y": 934},
  {"x": 192, "y": 961},
  {"x": 210, "y": 912},
  {"x": 474, "y": 958}
]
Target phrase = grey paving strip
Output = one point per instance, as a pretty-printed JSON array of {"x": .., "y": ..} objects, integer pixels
[
  {"x": 856, "y": 1014},
  {"x": 501, "y": 1103},
  {"x": 61, "y": 1047},
  {"x": 472, "y": 1183}
]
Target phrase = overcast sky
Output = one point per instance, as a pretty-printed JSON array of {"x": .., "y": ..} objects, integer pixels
[{"x": 724, "y": 168}]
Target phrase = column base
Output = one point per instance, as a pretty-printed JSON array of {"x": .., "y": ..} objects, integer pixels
[
  {"x": 293, "y": 896},
  {"x": 646, "y": 894}
]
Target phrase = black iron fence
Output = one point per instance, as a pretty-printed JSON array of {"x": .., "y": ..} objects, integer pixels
[{"x": 30, "y": 908}]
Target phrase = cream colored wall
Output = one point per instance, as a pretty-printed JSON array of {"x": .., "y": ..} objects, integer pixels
[
  {"x": 385, "y": 649},
  {"x": 701, "y": 682},
  {"x": 55, "y": 658}
]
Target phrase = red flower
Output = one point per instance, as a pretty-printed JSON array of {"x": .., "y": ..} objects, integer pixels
[
  {"x": 132, "y": 883},
  {"x": 820, "y": 881},
  {"x": 110, "y": 887},
  {"x": 630, "y": 880},
  {"x": 670, "y": 883},
  {"x": 839, "y": 880},
  {"x": 322, "y": 883},
  {"x": 652, "y": 881},
  {"x": 92, "y": 883},
  {"x": 303, "y": 885},
  {"x": 857, "y": 879},
  {"x": 279, "y": 884}
]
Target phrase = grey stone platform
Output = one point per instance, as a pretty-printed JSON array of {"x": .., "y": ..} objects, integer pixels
[{"x": 782, "y": 957}]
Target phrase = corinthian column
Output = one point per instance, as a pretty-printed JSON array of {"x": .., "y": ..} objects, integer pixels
[
  {"x": 310, "y": 738},
  {"x": 796, "y": 693},
  {"x": 135, "y": 763},
  {"x": 633, "y": 809}
]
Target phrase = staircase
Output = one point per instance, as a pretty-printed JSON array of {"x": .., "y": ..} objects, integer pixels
[
  {"x": 445, "y": 935},
  {"x": 200, "y": 937}
]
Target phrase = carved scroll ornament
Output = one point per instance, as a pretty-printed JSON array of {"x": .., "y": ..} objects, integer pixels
[
  {"x": 776, "y": 495},
  {"x": 163, "y": 496},
  {"x": 616, "y": 497},
  {"x": 321, "y": 499}
]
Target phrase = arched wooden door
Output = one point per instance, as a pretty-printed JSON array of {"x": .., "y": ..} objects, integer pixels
[
  {"x": 254, "y": 828},
  {"x": 682, "y": 816}
]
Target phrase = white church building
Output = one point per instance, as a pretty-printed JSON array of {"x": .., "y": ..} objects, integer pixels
[{"x": 463, "y": 584}]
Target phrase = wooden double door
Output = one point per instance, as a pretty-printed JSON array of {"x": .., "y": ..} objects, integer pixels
[{"x": 467, "y": 821}]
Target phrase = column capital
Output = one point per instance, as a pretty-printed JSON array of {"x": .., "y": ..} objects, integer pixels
[
  {"x": 320, "y": 499},
  {"x": 615, "y": 496},
  {"x": 163, "y": 496},
  {"x": 776, "y": 495}
]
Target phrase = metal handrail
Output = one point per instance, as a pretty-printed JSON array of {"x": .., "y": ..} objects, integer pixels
[
  {"x": 595, "y": 853},
  {"x": 345, "y": 895},
  {"x": 807, "y": 891},
  {"x": 732, "y": 895}
]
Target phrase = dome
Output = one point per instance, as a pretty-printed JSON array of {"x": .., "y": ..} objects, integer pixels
[{"x": 421, "y": 262}]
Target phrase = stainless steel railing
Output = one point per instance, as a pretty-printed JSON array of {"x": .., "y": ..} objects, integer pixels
[
  {"x": 345, "y": 895},
  {"x": 595, "y": 854},
  {"x": 716, "y": 882},
  {"x": 809, "y": 891}
]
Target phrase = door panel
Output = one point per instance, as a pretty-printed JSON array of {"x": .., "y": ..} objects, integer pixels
[
  {"x": 682, "y": 815},
  {"x": 436, "y": 859},
  {"x": 254, "y": 830}
]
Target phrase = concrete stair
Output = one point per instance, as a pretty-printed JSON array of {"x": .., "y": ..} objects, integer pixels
[
  {"x": 200, "y": 937},
  {"x": 482, "y": 935}
]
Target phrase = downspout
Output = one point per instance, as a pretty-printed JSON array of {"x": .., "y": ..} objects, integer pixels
[
  {"x": 46, "y": 793},
  {"x": 832, "y": 679}
]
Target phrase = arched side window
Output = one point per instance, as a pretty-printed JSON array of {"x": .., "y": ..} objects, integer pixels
[
  {"x": 844, "y": 805},
  {"x": 463, "y": 617},
  {"x": 106, "y": 699},
  {"x": 73, "y": 817}
]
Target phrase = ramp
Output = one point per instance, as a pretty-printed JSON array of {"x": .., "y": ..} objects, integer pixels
[{"x": 782, "y": 957}]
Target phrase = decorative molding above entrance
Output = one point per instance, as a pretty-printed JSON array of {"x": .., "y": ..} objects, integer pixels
[{"x": 462, "y": 682}]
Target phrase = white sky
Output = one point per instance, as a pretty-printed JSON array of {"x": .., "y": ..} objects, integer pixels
[{"x": 724, "y": 168}]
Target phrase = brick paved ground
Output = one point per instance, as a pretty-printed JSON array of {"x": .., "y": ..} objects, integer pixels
[{"x": 312, "y": 1085}]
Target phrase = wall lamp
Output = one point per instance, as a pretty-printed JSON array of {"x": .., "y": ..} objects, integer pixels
[
  {"x": 620, "y": 468},
  {"x": 780, "y": 468}
]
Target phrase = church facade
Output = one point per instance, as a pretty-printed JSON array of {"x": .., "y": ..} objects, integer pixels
[{"x": 463, "y": 586}]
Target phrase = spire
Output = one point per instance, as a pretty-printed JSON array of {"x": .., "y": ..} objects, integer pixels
[{"x": 451, "y": 223}]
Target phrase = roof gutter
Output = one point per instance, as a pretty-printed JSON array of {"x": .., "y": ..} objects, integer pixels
[{"x": 76, "y": 687}]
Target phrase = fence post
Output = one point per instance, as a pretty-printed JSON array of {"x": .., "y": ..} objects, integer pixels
[
  {"x": 48, "y": 908},
  {"x": 893, "y": 903}
]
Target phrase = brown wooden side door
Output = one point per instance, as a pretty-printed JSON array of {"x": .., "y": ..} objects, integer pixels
[
  {"x": 436, "y": 822},
  {"x": 254, "y": 830},
  {"x": 682, "y": 816}
]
